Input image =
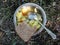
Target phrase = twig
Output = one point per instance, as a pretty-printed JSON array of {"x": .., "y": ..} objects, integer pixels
[
  {"x": 6, "y": 31},
  {"x": 3, "y": 19}
]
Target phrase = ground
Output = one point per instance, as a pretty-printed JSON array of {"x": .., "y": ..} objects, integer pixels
[{"x": 8, "y": 35}]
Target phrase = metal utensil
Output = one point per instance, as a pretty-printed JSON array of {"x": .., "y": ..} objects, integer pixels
[{"x": 48, "y": 31}]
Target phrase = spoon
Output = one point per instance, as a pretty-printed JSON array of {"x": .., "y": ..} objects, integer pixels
[{"x": 48, "y": 31}]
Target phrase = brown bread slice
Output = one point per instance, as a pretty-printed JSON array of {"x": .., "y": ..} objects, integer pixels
[{"x": 25, "y": 31}]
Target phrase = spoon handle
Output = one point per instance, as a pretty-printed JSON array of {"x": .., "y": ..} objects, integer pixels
[{"x": 49, "y": 32}]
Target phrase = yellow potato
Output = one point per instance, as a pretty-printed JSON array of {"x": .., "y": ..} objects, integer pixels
[
  {"x": 31, "y": 22},
  {"x": 38, "y": 26},
  {"x": 26, "y": 10},
  {"x": 39, "y": 17},
  {"x": 35, "y": 23},
  {"x": 19, "y": 15}
]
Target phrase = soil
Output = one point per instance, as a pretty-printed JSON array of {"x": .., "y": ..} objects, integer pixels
[{"x": 8, "y": 36}]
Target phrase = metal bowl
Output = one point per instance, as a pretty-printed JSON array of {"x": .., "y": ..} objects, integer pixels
[{"x": 37, "y": 6}]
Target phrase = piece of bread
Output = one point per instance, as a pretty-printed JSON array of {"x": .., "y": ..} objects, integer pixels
[{"x": 25, "y": 31}]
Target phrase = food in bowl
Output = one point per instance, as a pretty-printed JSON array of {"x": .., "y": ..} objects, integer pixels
[{"x": 26, "y": 13}]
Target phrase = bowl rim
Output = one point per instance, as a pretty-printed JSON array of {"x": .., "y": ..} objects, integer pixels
[{"x": 37, "y": 6}]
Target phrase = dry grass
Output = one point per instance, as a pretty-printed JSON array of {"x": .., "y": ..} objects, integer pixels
[{"x": 7, "y": 9}]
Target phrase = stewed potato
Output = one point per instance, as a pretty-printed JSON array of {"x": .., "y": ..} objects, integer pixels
[{"x": 25, "y": 12}]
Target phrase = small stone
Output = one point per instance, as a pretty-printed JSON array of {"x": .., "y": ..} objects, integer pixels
[{"x": 54, "y": 3}]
